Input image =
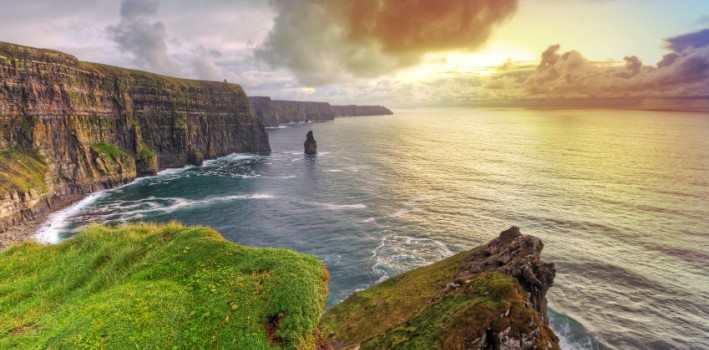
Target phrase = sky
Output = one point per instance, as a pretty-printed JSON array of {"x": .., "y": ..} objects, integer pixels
[{"x": 649, "y": 53}]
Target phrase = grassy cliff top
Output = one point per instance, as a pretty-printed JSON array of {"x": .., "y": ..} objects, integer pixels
[
  {"x": 15, "y": 51},
  {"x": 432, "y": 308},
  {"x": 158, "y": 287}
]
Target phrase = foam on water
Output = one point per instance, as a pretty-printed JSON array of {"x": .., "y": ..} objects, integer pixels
[
  {"x": 58, "y": 221},
  {"x": 396, "y": 254}
]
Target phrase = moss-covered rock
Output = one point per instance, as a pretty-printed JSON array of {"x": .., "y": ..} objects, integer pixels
[
  {"x": 158, "y": 287},
  {"x": 447, "y": 305}
]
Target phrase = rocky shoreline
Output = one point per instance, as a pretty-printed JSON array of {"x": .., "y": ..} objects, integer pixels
[{"x": 25, "y": 229}]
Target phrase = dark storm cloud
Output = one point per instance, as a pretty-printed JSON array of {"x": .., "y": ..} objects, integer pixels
[
  {"x": 145, "y": 42},
  {"x": 690, "y": 40},
  {"x": 324, "y": 41},
  {"x": 681, "y": 73}
]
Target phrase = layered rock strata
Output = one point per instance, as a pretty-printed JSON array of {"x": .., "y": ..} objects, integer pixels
[
  {"x": 360, "y": 111},
  {"x": 69, "y": 128},
  {"x": 274, "y": 112}
]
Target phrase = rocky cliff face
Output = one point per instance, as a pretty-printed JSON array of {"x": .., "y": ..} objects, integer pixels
[
  {"x": 71, "y": 127},
  {"x": 275, "y": 112},
  {"x": 360, "y": 111},
  {"x": 491, "y": 297}
]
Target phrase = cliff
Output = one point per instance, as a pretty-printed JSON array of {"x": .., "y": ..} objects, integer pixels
[
  {"x": 158, "y": 287},
  {"x": 70, "y": 128},
  {"x": 275, "y": 112},
  {"x": 360, "y": 111},
  {"x": 491, "y": 297}
]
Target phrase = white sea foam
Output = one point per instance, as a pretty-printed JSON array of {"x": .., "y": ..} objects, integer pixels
[
  {"x": 396, "y": 254},
  {"x": 330, "y": 206},
  {"x": 58, "y": 221}
]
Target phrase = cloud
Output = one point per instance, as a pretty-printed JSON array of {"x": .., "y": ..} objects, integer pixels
[
  {"x": 683, "y": 73},
  {"x": 145, "y": 42},
  {"x": 688, "y": 41},
  {"x": 204, "y": 66},
  {"x": 324, "y": 41}
]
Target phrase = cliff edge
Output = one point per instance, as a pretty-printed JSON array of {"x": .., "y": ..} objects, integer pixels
[
  {"x": 491, "y": 297},
  {"x": 158, "y": 287},
  {"x": 69, "y": 128}
]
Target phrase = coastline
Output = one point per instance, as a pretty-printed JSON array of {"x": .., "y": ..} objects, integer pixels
[{"x": 25, "y": 230}]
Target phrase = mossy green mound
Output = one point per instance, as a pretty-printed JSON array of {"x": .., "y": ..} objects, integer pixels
[
  {"x": 21, "y": 171},
  {"x": 158, "y": 287},
  {"x": 431, "y": 308}
]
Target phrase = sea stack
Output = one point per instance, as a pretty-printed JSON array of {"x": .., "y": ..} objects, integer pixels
[{"x": 311, "y": 147}]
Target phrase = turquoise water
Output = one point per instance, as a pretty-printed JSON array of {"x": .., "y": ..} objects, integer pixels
[{"x": 620, "y": 199}]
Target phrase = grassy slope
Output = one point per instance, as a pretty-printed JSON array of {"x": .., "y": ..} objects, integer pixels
[
  {"x": 404, "y": 313},
  {"x": 21, "y": 171},
  {"x": 377, "y": 309},
  {"x": 158, "y": 287}
]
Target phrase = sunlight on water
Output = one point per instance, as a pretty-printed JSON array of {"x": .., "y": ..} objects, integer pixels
[{"x": 620, "y": 199}]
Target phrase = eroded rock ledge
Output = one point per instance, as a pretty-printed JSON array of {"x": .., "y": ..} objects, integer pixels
[{"x": 491, "y": 297}]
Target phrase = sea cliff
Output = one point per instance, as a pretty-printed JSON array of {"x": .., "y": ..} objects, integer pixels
[
  {"x": 274, "y": 112},
  {"x": 69, "y": 128},
  {"x": 360, "y": 111}
]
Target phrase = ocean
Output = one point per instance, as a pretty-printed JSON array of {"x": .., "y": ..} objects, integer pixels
[{"x": 620, "y": 199}]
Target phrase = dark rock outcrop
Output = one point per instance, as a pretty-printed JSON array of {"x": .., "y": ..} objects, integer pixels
[
  {"x": 311, "y": 147},
  {"x": 491, "y": 297},
  {"x": 517, "y": 256},
  {"x": 360, "y": 111},
  {"x": 92, "y": 126}
]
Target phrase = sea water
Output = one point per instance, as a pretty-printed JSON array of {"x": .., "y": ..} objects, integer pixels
[{"x": 620, "y": 199}]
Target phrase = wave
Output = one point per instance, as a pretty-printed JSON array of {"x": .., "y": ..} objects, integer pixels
[
  {"x": 329, "y": 206},
  {"x": 57, "y": 222},
  {"x": 396, "y": 254},
  {"x": 123, "y": 212},
  {"x": 572, "y": 335}
]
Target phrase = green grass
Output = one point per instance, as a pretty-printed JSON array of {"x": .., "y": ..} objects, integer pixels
[
  {"x": 407, "y": 312},
  {"x": 145, "y": 152},
  {"x": 158, "y": 287},
  {"x": 21, "y": 171},
  {"x": 380, "y": 308},
  {"x": 109, "y": 150}
]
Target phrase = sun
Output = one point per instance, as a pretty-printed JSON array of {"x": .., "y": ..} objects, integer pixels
[{"x": 457, "y": 63}]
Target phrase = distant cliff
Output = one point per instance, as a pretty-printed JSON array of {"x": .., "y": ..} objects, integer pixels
[
  {"x": 71, "y": 128},
  {"x": 360, "y": 111},
  {"x": 490, "y": 297},
  {"x": 274, "y": 112}
]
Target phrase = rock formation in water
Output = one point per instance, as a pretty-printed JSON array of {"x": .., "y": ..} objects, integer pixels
[
  {"x": 274, "y": 112},
  {"x": 311, "y": 147},
  {"x": 70, "y": 128},
  {"x": 360, "y": 111},
  {"x": 491, "y": 297}
]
